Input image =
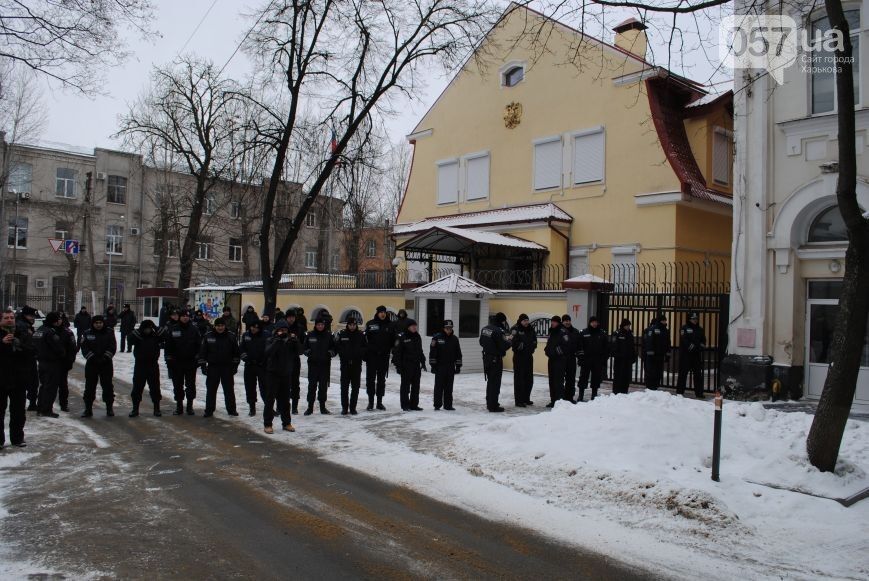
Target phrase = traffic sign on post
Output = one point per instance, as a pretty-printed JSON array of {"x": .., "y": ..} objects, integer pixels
[
  {"x": 71, "y": 246},
  {"x": 56, "y": 243}
]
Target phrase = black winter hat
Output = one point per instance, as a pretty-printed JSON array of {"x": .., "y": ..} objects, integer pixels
[
  {"x": 555, "y": 318},
  {"x": 146, "y": 324},
  {"x": 448, "y": 323},
  {"x": 522, "y": 317},
  {"x": 351, "y": 321},
  {"x": 282, "y": 325},
  {"x": 625, "y": 323},
  {"x": 290, "y": 313},
  {"x": 566, "y": 318},
  {"x": 410, "y": 323},
  {"x": 98, "y": 318},
  {"x": 380, "y": 309},
  {"x": 501, "y": 317},
  {"x": 256, "y": 323},
  {"x": 693, "y": 315},
  {"x": 126, "y": 305},
  {"x": 30, "y": 311},
  {"x": 185, "y": 313},
  {"x": 52, "y": 318},
  {"x": 592, "y": 319},
  {"x": 219, "y": 321}
]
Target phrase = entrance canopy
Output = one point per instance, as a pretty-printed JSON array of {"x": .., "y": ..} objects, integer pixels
[{"x": 461, "y": 245}]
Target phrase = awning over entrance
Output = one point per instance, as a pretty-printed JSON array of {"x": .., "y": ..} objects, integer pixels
[{"x": 460, "y": 245}]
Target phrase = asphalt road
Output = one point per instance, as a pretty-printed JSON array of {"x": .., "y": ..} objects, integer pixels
[{"x": 185, "y": 497}]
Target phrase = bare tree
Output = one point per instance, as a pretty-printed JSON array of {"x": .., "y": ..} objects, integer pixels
[
  {"x": 397, "y": 172},
  {"x": 190, "y": 112},
  {"x": 71, "y": 41},
  {"x": 345, "y": 61}
]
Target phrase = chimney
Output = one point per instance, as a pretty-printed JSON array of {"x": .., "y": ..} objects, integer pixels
[{"x": 631, "y": 37}]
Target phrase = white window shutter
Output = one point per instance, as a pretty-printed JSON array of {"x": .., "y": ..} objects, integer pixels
[
  {"x": 448, "y": 182},
  {"x": 547, "y": 165},
  {"x": 588, "y": 158},
  {"x": 478, "y": 178},
  {"x": 721, "y": 157}
]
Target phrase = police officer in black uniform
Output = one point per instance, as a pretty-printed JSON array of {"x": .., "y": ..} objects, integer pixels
[
  {"x": 146, "y": 342},
  {"x": 253, "y": 352},
  {"x": 556, "y": 351},
  {"x": 592, "y": 356},
  {"x": 656, "y": 351},
  {"x": 98, "y": 346},
  {"x": 71, "y": 352},
  {"x": 445, "y": 360},
  {"x": 219, "y": 358},
  {"x": 495, "y": 346},
  {"x": 182, "y": 352},
  {"x": 692, "y": 342},
  {"x": 51, "y": 348},
  {"x": 30, "y": 371},
  {"x": 624, "y": 351},
  {"x": 523, "y": 344},
  {"x": 409, "y": 359},
  {"x": 280, "y": 358},
  {"x": 350, "y": 344},
  {"x": 297, "y": 333},
  {"x": 570, "y": 357},
  {"x": 319, "y": 349},
  {"x": 379, "y": 340},
  {"x": 267, "y": 324},
  {"x": 15, "y": 350}
]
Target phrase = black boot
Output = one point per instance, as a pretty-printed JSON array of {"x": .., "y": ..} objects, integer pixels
[
  {"x": 252, "y": 411},
  {"x": 135, "y": 411},
  {"x": 310, "y": 409},
  {"x": 370, "y": 404},
  {"x": 323, "y": 409},
  {"x": 110, "y": 411},
  {"x": 295, "y": 409},
  {"x": 190, "y": 411},
  {"x": 157, "y": 411},
  {"x": 32, "y": 407},
  {"x": 88, "y": 411},
  {"x": 64, "y": 406},
  {"x": 179, "y": 409},
  {"x": 344, "y": 411},
  {"x": 353, "y": 411},
  {"x": 380, "y": 405}
]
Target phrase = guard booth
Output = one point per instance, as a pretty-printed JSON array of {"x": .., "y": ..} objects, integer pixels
[
  {"x": 153, "y": 299},
  {"x": 460, "y": 300}
]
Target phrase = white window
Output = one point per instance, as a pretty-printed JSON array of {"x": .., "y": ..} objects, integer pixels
[
  {"x": 235, "y": 210},
  {"x": 371, "y": 249},
  {"x": 588, "y": 156},
  {"x": 547, "y": 163},
  {"x": 61, "y": 230},
  {"x": 17, "y": 237},
  {"x": 235, "y": 250},
  {"x": 116, "y": 190},
  {"x": 310, "y": 257},
  {"x": 311, "y": 219},
  {"x": 203, "y": 251},
  {"x": 114, "y": 239},
  {"x": 513, "y": 76},
  {"x": 477, "y": 177},
  {"x": 65, "y": 182},
  {"x": 20, "y": 178},
  {"x": 335, "y": 261},
  {"x": 624, "y": 263},
  {"x": 210, "y": 204},
  {"x": 722, "y": 156},
  {"x": 823, "y": 80},
  {"x": 448, "y": 182}
]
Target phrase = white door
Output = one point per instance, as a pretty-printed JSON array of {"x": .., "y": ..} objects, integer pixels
[{"x": 821, "y": 311}]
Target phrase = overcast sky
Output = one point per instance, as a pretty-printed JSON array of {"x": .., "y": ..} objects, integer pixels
[{"x": 80, "y": 121}]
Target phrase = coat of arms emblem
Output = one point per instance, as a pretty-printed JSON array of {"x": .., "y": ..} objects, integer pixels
[{"x": 512, "y": 115}]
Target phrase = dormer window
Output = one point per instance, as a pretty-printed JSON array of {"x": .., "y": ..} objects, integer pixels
[{"x": 513, "y": 76}]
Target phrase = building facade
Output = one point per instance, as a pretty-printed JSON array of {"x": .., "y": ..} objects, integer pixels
[
  {"x": 129, "y": 221},
  {"x": 537, "y": 165},
  {"x": 789, "y": 239}
]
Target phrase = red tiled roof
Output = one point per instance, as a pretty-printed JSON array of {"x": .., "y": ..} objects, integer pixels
[{"x": 667, "y": 105}]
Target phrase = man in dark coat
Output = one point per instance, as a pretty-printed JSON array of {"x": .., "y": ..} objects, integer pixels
[
  {"x": 147, "y": 341},
  {"x": 692, "y": 342},
  {"x": 409, "y": 360},
  {"x": 379, "y": 340},
  {"x": 624, "y": 352},
  {"x": 253, "y": 352},
  {"x": 98, "y": 346},
  {"x": 231, "y": 322},
  {"x": 556, "y": 351},
  {"x": 319, "y": 349},
  {"x": 570, "y": 356},
  {"x": 51, "y": 348},
  {"x": 127, "y": 318},
  {"x": 445, "y": 361},
  {"x": 495, "y": 346},
  {"x": 301, "y": 319},
  {"x": 71, "y": 343},
  {"x": 524, "y": 344},
  {"x": 15, "y": 350},
  {"x": 219, "y": 358},
  {"x": 656, "y": 351},
  {"x": 165, "y": 311},
  {"x": 592, "y": 356},
  {"x": 201, "y": 323},
  {"x": 30, "y": 371},
  {"x": 268, "y": 325},
  {"x": 296, "y": 340},
  {"x": 182, "y": 352},
  {"x": 249, "y": 317},
  {"x": 81, "y": 322},
  {"x": 350, "y": 344},
  {"x": 280, "y": 358},
  {"x": 111, "y": 318},
  {"x": 400, "y": 323}
]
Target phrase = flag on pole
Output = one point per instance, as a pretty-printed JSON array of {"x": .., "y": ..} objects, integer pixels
[{"x": 333, "y": 144}]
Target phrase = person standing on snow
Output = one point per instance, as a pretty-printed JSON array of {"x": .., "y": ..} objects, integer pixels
[
  {"x": 656, "y": 351},
  {"x": 350, "y": 344},
  {"x": 556, "y": 351},
  {"x": 494, "y": 346},
  {"x": 30, "y": 370},
  {"x": 98, "y": 345},
  {"x": 692, "y": 342},
  {"x": 409, "y": 360},
  {"x": 570, "y": 357},
  {"x": 379, "y": 340},
  {"x": 319, "y": 349},
  {"x": 524, "y": 344},
  {"x": 146, "y": 342},
  {"x": 253, "y": 352},
  {"x": 51, "y": 345},
  {"x": 592, "y": 356},
  {"x": 15, "y": 351},
  {"x": 280, "y": 357},
  {"x": 219, "y": 358},
  {"x": 624, "y": 352},
  {"x": 297, "y": 336},
  {"x": 81, "y": 322},
  {"x": 127, "y": 318},
  {"x": 182, "y": 351},
  {"x": 445, "y": 360}
]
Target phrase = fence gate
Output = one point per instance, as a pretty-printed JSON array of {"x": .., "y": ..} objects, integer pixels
[{"x": 641, "y": 308}]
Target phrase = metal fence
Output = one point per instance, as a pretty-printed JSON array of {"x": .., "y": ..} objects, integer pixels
[
  {"x": 704, "y": 277},
  {"x": 641, "y": 308},
  {"x": 47, "y": 303}
]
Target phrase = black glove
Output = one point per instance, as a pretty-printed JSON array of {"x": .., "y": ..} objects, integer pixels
[
  {"x": 559, "y": 351},
  {"x": 434, "y": 368},
  {"x": 398, "y": 369},
  {"x": 204, "y": 369},
  {"x": 519, "y": 347},
  {"x": 458, "y": 368},
  {"x": 234, "y": 369},
  {"x": 424, "y": 367}
]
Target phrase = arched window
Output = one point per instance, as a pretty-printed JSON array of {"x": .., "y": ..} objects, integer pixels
[
  {"x": 828, "y": 227},
  {"x": 513, "y": 76}
]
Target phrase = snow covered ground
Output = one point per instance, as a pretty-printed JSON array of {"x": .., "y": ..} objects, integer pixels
[{"x": 627, "y": 476}]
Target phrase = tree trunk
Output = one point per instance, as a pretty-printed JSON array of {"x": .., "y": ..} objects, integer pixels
[
  {"x": 69, "y": 300},
  {"x": 828, "y": 425},
  {"x": 191, "y": 237}
]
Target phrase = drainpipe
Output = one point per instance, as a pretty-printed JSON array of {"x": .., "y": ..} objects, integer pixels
[{"x": 566, "y": 239}]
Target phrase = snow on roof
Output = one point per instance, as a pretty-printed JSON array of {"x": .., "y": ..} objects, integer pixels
[
  {"x": 706, "y": 99},
  {"x": 587, "y": 278},
  {"x": 453, "y": 283},
  {"x": 492, "y": 238},
  {"x": 58, "y": 146},
  {"x": 531, "y": 213},
  {"x": 286, "y": 278}
]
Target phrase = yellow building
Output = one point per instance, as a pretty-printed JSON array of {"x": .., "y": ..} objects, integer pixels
[{"x": 535, "y": 165}]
